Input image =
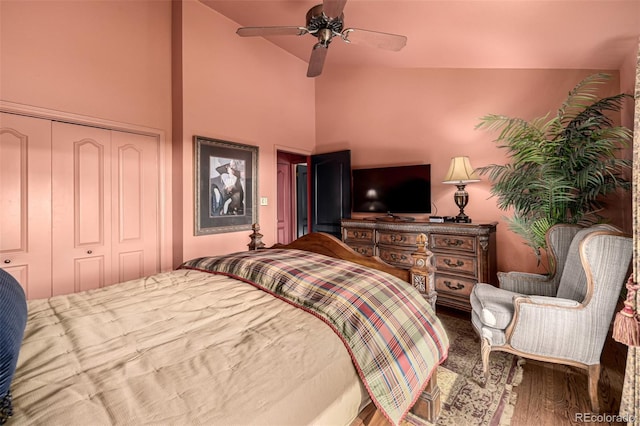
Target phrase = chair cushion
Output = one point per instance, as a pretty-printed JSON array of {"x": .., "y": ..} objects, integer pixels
[
  {"x": 494, "y": 306},
  {"x": 13, "y": 318},
  {"x": 496, "y": 337}
]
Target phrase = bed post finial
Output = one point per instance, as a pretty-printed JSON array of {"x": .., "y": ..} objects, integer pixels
[
  {"x": 256, "y": 238},
  {"x": 423, "y": 271}
]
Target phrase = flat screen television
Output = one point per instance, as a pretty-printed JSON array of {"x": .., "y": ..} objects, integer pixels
[{"x": 401, "y": 189}]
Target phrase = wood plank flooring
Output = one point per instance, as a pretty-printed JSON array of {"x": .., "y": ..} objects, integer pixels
[{"x": 556, "y": 395}]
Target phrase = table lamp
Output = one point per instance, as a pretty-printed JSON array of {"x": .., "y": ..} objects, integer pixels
[{"x": 460, "y": 174}]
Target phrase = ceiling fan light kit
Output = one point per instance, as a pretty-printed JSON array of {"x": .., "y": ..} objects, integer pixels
[{"x": 325, "y": 21}]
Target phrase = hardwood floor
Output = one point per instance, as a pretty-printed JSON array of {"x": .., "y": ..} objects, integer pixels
[
  {"x": 557, "y": 395},
  {"x": 553, "y": 394}
]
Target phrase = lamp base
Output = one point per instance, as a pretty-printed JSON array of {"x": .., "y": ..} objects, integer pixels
[{"x": 461, "y": 198}]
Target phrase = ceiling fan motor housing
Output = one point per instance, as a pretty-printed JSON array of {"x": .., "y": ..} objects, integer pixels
[{"x": 317, "y": 20}]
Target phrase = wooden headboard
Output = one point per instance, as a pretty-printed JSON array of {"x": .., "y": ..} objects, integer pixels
[{"x": 421, "y": 274}]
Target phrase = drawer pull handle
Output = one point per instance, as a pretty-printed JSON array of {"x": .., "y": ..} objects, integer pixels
[
  {"x": 7, "y": 261},
  {"x": 458, "y": 286},
  {"x": 397, "y": 238},
  {"x": 397, "y": 258},
  {"x": 459, "y": 263},
  {"x": 453, "y": 243},
  {"x": 89, "y": 251}
]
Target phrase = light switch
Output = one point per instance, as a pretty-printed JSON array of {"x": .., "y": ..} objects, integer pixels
[{"x": 264, "y": 201}]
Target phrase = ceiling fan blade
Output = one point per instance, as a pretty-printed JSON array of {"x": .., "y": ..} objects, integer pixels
[
  {"x": 333, "y": 8},
  {"x": 374, "y": 39},
  {"x": 270, "y": 31},
  {"x": 316, "y": 61}
]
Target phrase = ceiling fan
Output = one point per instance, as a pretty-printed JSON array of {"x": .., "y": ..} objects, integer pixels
[{"x": 326, "y": 21}]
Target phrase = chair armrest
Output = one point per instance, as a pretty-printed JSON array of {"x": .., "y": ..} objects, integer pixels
[
  {"x": 527, "y": 283},
  {"x": 548, "y": 301}
]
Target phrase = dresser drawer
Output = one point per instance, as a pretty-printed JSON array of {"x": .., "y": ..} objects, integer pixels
[
  {"x": 395, "y": 256},
  {"x": 364, "y": 249},
  {"x": 452, "y": 242},
  {"x": 456, "y": 264},
  {"x": 397, "y": 238},
  {"x": 350, "y": 235},
  {"x": 453, "y": 285}
]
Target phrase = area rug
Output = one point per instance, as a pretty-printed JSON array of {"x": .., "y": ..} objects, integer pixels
[{"x": 464, "y": 400}]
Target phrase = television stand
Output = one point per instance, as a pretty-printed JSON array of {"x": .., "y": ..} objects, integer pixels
[{"x": 390, "y": 217}]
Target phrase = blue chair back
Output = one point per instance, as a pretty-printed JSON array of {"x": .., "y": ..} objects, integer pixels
[{"x": 13, "y": 319}]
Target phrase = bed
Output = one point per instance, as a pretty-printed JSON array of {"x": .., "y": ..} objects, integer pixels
[{"x": 258, "y": 337}]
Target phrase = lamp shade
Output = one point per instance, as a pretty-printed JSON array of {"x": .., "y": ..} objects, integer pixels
[{"x": 460, "y": 171}]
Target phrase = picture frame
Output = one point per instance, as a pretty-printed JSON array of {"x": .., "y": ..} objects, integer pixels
[{"x": 226, "y": 180}]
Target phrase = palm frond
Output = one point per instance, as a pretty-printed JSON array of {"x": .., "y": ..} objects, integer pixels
[
  {"x": 559, "y": 167},
  {"x": 582, "y": 95}
]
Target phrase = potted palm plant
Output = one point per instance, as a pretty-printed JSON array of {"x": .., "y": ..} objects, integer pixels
[{"x": 560, "y": 166}]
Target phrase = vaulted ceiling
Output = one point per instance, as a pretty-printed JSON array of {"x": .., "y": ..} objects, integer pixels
[{"x": 555, "y": 34}]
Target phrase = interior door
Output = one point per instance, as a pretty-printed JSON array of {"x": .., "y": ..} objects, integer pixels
[
  {"x": 330, "y": 191},
  {"x": 289, "y": 192},
  {"x": 25, "y": 202},
  {"x": 105, "y": 207},
  {"x": 134, "y": 165},
  {"x": 81, "y": 171},
  {"x": 284, "y": 212}
]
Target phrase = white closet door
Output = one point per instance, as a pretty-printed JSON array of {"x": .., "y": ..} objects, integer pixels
[
  {"x": 25, "y": 202},
  {"x": 135, "y": 221},
  {"x": 81, "y": 172}
]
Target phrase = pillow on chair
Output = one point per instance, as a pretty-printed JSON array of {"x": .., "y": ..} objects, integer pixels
[{"x": 13, "y": 318}]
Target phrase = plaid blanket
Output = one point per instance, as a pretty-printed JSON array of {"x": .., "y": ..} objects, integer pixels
[{"x": 392, "y": 334}]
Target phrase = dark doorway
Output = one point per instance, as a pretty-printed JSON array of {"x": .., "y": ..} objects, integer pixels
[
  {"x": 330, "y": 191},
  {"x": 302, "y": 205}
]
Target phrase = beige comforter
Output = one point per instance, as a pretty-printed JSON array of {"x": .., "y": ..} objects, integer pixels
[{"x": 183, "y": 347}]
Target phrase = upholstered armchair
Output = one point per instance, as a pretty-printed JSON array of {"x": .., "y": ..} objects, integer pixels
[
  {"x": 13, "y": 318},
  {"x": 568, "y": 326},
  {"x": 559, "y": 238}
]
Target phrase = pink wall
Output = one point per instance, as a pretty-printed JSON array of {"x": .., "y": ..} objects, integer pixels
[
  {"x": 98, "y": 62},
  {"x": 109, "y": 60},
  {"x": 403, "y": 116},
  {"x": 240, "y": 90},
  {"x": 113, "y": 61}
]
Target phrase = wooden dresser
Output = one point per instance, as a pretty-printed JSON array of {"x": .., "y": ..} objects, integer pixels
[{"x": 464, "y": 254}]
